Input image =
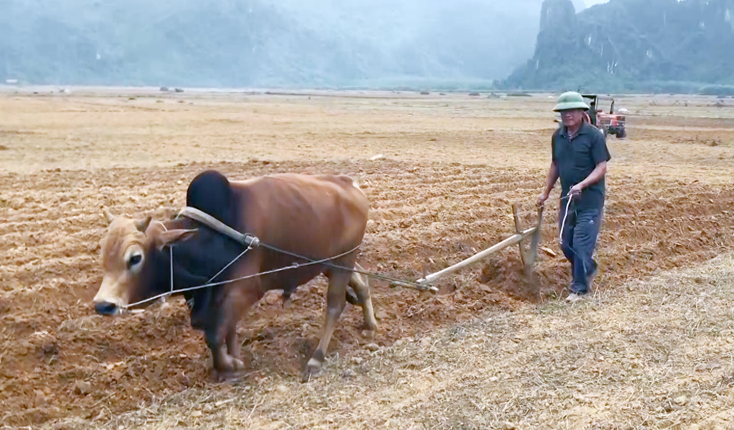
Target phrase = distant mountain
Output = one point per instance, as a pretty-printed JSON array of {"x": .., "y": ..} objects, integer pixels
[
  {"x": 658, "y": 45},
  {"x": 579, "y": 5},
  {"x": 277, "y": 43}
]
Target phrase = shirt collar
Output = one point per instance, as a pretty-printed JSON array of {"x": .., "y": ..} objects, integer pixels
[{"x": 583, "y": 130}]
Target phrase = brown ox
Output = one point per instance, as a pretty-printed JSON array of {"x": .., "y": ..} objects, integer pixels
[{"x": 313, "y": 216}]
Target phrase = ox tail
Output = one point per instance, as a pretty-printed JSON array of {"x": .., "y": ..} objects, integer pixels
[
  {"x": 355, "y": 184},
  {"x": 346, "y": 179}
]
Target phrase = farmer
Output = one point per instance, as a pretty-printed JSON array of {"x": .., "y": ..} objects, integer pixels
[
  {"x": 579, "y": 158},
  {"x": 592, "y": 112}
]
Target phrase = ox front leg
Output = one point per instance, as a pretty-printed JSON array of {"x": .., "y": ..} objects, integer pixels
[
  {"x": 222, "y": 362},
  {"x": 234, "y": 348},
  {"x": 335, "y": 302},
  {"x": 223, "y": 340},
  {"x": 225, "y": 352}
]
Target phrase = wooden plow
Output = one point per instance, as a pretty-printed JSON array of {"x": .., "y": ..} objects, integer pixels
[{"x": 526, "y": 239}]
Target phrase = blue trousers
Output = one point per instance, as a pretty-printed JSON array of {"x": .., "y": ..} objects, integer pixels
[{"x": 579, "y": 242}]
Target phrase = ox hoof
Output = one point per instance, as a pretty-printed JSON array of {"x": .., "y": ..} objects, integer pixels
[
  {"x": 220, "y": 376},
  {"x": 227, "y": 368},
  {"x": 224, "y": 375},
  {"x": 238, "y": 364},
  {"x": 368, "y": 333},
  {"x": 313, "y": 368}
]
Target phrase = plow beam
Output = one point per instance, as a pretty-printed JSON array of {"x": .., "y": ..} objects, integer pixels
[
  {"x": 512, "y": 240},
  {"x": 527, "y": 255}
]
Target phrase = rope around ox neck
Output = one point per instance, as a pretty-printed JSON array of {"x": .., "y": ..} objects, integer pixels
[
  {"x": 214, "y": 284},
  {"x": 253, "y": 242},
  {"x": 170, "y": 248}
]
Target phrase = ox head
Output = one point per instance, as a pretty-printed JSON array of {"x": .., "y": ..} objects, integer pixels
[{"x": 134, "y": 260}]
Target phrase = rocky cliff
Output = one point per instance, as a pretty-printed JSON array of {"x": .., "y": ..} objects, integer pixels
[{"x": 658, "y": 45}]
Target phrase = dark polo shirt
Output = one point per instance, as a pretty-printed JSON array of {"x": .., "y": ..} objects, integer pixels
[{"x": 576, "y": 158}]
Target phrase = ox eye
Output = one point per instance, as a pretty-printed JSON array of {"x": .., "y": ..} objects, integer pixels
[{"x": 134, "y": 260}]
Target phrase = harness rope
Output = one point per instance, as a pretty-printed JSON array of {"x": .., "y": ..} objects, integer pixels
[
  {"x": 336, "y": 266},
  {"x": 214, "y": 284},
  {"x": 563, "y": 225},
  {"x": 565, "y": 215},
  {"x": 170, "y": 248},
  {"x": 252, "y": 242}
]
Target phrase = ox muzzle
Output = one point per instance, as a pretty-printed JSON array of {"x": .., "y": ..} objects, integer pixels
[
  {"x": 111, "y": 299},
  {"x": 107, "y": 308}
]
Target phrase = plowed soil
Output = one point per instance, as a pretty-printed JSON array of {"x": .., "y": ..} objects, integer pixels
[{"x": 450, "y": 168}]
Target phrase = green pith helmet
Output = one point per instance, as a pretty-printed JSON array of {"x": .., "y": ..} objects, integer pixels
[{"x": 570, "y": 100}]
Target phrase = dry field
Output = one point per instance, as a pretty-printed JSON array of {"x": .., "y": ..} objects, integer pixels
[{"x": 653, "y": 348}]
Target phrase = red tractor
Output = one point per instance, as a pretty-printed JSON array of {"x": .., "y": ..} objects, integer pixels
[{"x": 610, "y": 123}]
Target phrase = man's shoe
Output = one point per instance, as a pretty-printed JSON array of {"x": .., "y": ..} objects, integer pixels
[
  {"x": 573, "y": 298},
  {"x": 590, "y": 281}
]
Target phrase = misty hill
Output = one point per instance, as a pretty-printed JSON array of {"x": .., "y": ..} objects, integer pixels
[
  {"x": 658, "y": 45},
  {"x": 281, "y": 43}
]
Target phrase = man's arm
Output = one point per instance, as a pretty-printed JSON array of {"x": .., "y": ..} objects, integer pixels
[
  {"x": 596, "y": 175},
  {"x": 600, "y": 155},
  {"x": 552, "y": 178}
]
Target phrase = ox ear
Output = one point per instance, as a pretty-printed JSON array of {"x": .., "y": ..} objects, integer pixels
[
  {"x": 173, "y": 237},
  {"x": 143, "y": 224},
  {"x": 107, "y": 215}
]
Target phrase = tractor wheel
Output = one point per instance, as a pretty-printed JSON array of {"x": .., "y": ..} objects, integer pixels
[{"x": 622, "y": 133}]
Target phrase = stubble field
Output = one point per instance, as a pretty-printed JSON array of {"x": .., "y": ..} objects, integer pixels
[{"x": 449, "y": 167}]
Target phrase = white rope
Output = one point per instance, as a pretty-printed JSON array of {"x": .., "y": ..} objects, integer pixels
[
  {"x": 214, "y": 284},
  {"x": 251, "y": 242},
  {"x": 565, "y": 216},
  {"x": 249, "y": 247},
  {"x": 563, "y": 225},
  {"x": 171, "y": 251}
]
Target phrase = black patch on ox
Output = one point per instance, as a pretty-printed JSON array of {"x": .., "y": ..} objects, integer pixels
[{"x": 209, "y": 192}]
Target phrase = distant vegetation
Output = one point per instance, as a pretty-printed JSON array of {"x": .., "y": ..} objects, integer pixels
[
  {"x": 417, "y": 44},
  {"x": 662, "y": 46},
  {"x": 666, "y": 46},
  {"x": 718, "y": 90}
]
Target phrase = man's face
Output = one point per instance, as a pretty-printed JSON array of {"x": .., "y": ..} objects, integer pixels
[{"x": 572, "y": 118}]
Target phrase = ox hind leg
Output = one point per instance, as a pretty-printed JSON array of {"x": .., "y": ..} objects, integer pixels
[
  {"x": 336, "y": 298},
  {"x": 360, "y": 285}
]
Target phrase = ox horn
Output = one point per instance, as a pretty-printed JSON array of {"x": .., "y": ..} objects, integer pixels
[
  {"x": 108, "y": 216},
  {"x": 143, "y": 224}
]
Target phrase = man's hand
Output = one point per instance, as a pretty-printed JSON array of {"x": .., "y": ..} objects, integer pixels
[
  {"x": 543, "y": 197},
  {"x": 576, "y": 190},
  {"x": 552, "y": 178}
]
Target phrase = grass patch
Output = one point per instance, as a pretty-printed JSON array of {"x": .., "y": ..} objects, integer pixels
[{"x": 654, "y": 354}]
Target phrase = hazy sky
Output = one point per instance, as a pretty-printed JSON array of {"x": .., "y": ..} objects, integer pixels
[{"x": 593, "y": 2}]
